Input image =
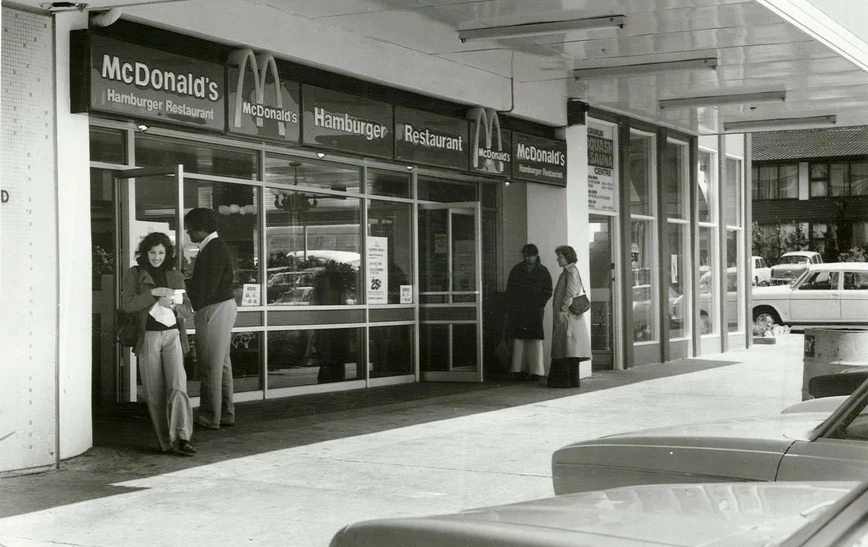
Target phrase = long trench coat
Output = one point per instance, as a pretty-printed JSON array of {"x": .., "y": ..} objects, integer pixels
[
  {"x": 571, "y": 333},
  {"x": 527, "y": 292}
]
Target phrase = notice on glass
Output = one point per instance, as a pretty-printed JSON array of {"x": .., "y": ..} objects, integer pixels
[
  {"x": 406, "y": 294},
  {"x": 378, "y": 270},
  {"x": 250, "y": 294},
  {"x": 601, "y": 174}
]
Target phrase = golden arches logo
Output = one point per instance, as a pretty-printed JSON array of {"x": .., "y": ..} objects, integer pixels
[
  {"x": 488, "y": 125},
  {"x": 259, "y": 66}
]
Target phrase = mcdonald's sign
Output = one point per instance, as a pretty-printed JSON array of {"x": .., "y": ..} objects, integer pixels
[
  {"x": 259, "y": 102},
  {"x": 491, "y": 147}
]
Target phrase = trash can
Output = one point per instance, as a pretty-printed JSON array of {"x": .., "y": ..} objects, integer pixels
[{"x": 830, "y": 350}]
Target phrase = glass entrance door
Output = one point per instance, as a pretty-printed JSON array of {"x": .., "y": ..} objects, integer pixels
[
  {"x": 146, "y": 200},
  {"x": 450, "y": 303},
  {"x": 602, "y": 292}
]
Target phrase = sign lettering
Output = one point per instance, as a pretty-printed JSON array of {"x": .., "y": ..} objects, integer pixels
[
  {"x": 492, "y": 147},
  {"x": 430, "y": 138},
  {"x": 601, "y": 174},
  {"x": 539, "y": 159},
  {"x": 346, "y": 122},
  {"x": 259, "y": 106}
]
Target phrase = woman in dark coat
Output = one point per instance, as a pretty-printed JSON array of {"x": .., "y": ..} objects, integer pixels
[{"x": 528, "y": 288}]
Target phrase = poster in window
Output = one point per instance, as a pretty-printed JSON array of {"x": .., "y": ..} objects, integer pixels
[
  {"x": 378, "y": 270},
  {"x": 601, "y": 179}
]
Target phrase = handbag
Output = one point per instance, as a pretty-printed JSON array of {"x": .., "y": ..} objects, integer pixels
[
  {"x": 127, "y": 333},
  {"x": 581, "y": 303}
]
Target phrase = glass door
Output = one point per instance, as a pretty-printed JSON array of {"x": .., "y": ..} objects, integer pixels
[
  {"x": 146, "y": 200},
  {"x": 450, "y": 303},
  {"x": 601, "y": 289}
]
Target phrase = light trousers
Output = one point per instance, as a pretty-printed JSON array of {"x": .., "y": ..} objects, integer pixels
[
  {"x": 527, "y": 356},
  {"x": 161, "y": 364},
  {"x": 213, "y": 339}
]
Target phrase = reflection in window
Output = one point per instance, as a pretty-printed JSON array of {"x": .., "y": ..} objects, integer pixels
[
  {"x": 245, "y": 351},
  {"x": 108, "y": 145},
  {"x": 393, "y": 222},
  {"x": 312, "y": 242},
  {"x": 732, "y": 188},
  {"x": 644, "y": 302},
  {"x": 441, "y": 190},
  {"x": 734, "y": 318},
  {"x": 237, "y": 211},
  {"x": 388, "y": 183},
  {"x": 302, "y": 172},
  {"x": 707, "y": 281},
  {"x": 314, "y": 356},
  {"x": 391, "y": 351},
  {"x": 706, "y": 182},
  {"x": 674, "y": 183},
  {"x": 196, "y": 157},
  {"x": 820, "y": 281},
  {"x": 641, "y": 165},
  {"x": 679, "y": 299}
]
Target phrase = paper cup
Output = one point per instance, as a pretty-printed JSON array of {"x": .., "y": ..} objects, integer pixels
[{"x": 179, "y": 296}]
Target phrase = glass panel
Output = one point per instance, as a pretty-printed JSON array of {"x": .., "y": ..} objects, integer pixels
[
  {"x": 819, "y": 170},
  {"x": 788, "y": 181},
  {"x": 108, "y": 145},
  {"x": 859, "y": 178},
  {"x": 818, "y": 188},
  {"x": 245, "y": 352},
  {"x": 855, "y": 281},
  {"x": 103, "y": 268},
  {"x": 838, "y": 179},
  {"x": 600, "y": 282},
  {"x": 734, "y": 291},
  {"x": 819, "y": 236},
  {"x": 237, "y": 225},
  {"x": 314, "y": 356},
  {"x": 754, "y": 191},
  {"x": 674, "y": 183},
  {"x": 296, "y": 171},
  {"x": 394, "y": 221},
  {"x": 388, "y": 183},
  {"x": 489, "y": 194},
  {"x": 732, "y": 189},
  {"x": 207, "y": 159},
  {"x": 431, "y": 189},
  {"x": 679, "y": 299},
  {"x": 820, "y": 281},
  {"x": 641, "y": 173},
  {"x": 391, "y": 351},
  {"x": 433, "y": 250},
  {"x": 433, "y": 347},
  {"x": 313, "y": 247},
  {"x": 768, "y": 182},
  {"x": 463, "y": 252},
  {"x": 706, "y": 180},
  {"x": 707, "y": 282},
  {"x": 642, "y": 261}
]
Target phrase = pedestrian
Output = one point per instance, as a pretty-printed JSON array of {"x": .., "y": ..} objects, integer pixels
[
  {"x": 211, "y": 290},
  {"x": 571, "y": 333},
  {"x": 528, "y": 288},
  {"x": 153, "y": 291}
]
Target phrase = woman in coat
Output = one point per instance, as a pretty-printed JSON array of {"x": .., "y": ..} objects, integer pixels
[
  {"x": 528, "y": 288},
  {"x": 571, "y": 333},
  {"x": 149, "y": 292}
]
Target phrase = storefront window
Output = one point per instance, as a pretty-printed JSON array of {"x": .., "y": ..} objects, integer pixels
[
  {"x": 674, "y": 184},
  {"x": 707, "y": 281},
  {"x": 237, "y": 208},
  {"x": 859, "y": 178},
  {"x": 245, "y": 351},
  {"x": 732, "y": 188},
  {"x": 706, "y": 182},
  {"x": 644, "y": 299},
  {"x": 445, "y": 191},
  {"x": 679, "y": 270},
  {"x": 312, "y": 242},
  {"x": 391, "y": 351},
  {"x": 108, "y": 145},
  {"x": 314, "y": 356},
  {"x": 734, "y": 292},
  {"x": 388, "y": 183},
  {"x": 392, "y": 224},
  {"x": 302, "y": 172},
  {"x": 641, "y": 174},
  {"x": 196, "y": 157}
]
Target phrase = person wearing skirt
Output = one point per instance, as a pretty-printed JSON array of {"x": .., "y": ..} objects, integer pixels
[
  {"x": 571, "y": 333},
  {"x": 528, "y": 288}
]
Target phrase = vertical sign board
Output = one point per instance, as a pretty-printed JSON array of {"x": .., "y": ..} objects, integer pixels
[
  {"x": 538, "y": 159},
  {"x": 601, "y": 174},
  {"x": 347, "y": 123},
  {"x": 146, "y": 84},
  {"x": 430, "y": 139},
  {"x": 491, "y": 147},
  {"x": 259, "y": 102},
  {"x": 378, "y": 270}
]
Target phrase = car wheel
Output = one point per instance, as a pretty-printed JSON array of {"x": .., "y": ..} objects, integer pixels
[
  {"x": 764, "y": 284},
  {"x": 704, "y": 324},
  {"x": 766, "y": 317}
]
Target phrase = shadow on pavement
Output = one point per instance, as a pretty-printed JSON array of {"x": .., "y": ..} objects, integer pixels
[{"x": 125, "y": 447}]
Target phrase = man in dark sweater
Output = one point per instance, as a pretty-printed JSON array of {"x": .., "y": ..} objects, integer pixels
[{"x": 210, "y": 290}]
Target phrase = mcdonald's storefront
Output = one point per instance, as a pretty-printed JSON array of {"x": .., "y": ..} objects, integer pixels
[{"x": 366, "y": 223}]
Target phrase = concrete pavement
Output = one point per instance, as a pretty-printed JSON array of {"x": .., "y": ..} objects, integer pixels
[{"x": 293, "y": 472}]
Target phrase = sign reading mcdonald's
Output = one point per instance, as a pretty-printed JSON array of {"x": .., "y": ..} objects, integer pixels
[
  {"x": 259, "y": 102},
  {"x": 539, "y": 159},
  {"x": 144, "y": 83},
  {"x": 429, "y": 138},
  {"x": 491, "y": 147}
]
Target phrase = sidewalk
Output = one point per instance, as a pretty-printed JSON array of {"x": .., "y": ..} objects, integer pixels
[{"x": 293, "y": 471}]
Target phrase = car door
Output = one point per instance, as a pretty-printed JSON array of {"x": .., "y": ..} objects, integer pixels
[
  {"x": 854, "y": 297},
  {"x": 816, "y": 299}
]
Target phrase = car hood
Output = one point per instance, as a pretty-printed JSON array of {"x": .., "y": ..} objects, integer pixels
[
  {"x": 674, "y": 515},
  {"x": 775, "y": 290}
]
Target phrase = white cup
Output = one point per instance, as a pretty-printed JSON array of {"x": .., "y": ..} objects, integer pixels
[{"x": 178, "y": 298}]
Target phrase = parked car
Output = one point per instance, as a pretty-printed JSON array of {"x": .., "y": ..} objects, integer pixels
[
  {"x": 830, "y": 444},
  {"x": 835, "y": 293},
  {"x": 791, "y": 265},
  {"x": 794, "y": 514},
  {"x": 762, "y": 273},
  {"x": 704, "y": 296}
]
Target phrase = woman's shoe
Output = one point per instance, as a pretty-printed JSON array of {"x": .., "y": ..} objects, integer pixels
[{"x": 184, "y": 447}]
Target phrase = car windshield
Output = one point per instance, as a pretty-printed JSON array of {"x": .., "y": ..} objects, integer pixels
[{"x": 793, "y": 260}]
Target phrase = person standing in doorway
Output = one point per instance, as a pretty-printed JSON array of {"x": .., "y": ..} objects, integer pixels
[
  {"x": 528, "y": 288},
  {"x": 571, "y": 333},
  {"x": 211, "y": 292}
]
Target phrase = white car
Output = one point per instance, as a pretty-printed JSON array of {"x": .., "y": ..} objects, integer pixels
[
  {"x": 791, "y": 265},
  {"x": 826, "y": 294},
  {"x": 762, "y": 274},
  {"x": 827, "y": 444}
]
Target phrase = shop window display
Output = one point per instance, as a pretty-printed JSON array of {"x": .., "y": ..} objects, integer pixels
[
  {"x": 314, "y": 356},
  {"x": 391, "y": 224},
  {"x": 644, "y": 293}
]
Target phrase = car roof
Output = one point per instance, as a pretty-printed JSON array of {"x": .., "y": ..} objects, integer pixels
[
  {"x": 840, "y": 266},
  {"x": 800, "y": 253}
]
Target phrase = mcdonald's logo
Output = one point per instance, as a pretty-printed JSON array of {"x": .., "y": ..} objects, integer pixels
[
  {"x": 491, "y": 153},
  {"x": 283, "y": 117}
]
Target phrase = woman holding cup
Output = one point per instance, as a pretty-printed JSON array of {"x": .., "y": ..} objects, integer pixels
[{"x": 154, "y": 291}]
